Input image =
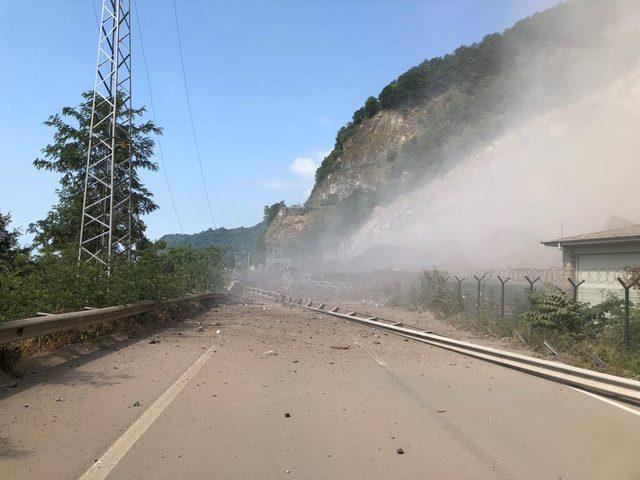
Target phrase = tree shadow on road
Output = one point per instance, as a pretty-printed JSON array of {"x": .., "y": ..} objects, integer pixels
[{"x": 39, "y": 371}]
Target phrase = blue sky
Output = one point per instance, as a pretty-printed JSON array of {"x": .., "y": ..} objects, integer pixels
[{"x": 271, "y": 82}]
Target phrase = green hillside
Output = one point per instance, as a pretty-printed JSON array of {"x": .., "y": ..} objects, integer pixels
[{"x": 241, "y": 239}]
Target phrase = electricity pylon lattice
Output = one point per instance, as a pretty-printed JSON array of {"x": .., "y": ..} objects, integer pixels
[{"x": 105, "y": 229}]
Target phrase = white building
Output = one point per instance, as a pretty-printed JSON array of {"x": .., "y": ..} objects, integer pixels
[{"x": 599, "y": 259}]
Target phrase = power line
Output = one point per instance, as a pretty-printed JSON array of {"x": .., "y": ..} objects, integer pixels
[
  {"x": 193, "y": 128},
  {"x": 155, "y": 121},
  {"x": 95, "y": 11}
]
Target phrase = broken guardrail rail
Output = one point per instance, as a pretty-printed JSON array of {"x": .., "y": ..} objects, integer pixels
[{"x": 613, "y": 386}]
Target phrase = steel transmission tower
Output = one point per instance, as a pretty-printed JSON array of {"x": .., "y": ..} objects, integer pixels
[{"x": 105, "y": 229}]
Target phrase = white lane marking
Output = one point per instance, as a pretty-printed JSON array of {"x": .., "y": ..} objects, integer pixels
[
  {"x": 100, "y": 469},
  {"x": 610, "y": 402}
]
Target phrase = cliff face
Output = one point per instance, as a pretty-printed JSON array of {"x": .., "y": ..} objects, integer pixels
[
  {"x": 368, "y": 165},
  {"x": 287, "y": 228},
  {"x": 368, "y": 159},
  {"x": 438, "y": 113},
  {"x": 573, "y": 165}
]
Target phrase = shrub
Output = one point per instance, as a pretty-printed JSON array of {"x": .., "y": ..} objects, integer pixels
[
  {"x": 556, "y": 312},
  {"x": 432, "y": 294},
  {"x": 56, "y": 283}
]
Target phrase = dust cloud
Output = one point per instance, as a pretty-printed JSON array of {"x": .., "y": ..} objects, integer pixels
[{"x": 575, "y": 162}]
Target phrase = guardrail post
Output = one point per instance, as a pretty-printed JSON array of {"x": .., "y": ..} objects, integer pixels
[
  {"x": 479, "y": 280},
  {"x": 575, "y": 288},
  {"x": 502, "y": 283},
  {"x": 627, "y": 322}
]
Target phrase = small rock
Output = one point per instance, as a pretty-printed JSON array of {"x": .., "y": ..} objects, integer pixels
[
  {"x": 59, "y": 399},
  {"x": 441, "y": 411},
  {"x": 400, "y": 451},
  {"x": 218, "y": 331},
  {"x": 287, "y": 415},
  {"x": 340, "y": 347},
  {"x": 137, "y": 404},
  {"x": 154, "y": 341},
  {"x": 200, "y": 329},
  {"x": 376, "y": 342},
  {"x": 269, "y": 352}
]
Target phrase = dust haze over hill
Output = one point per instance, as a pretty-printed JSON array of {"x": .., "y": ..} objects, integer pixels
[{"x": 576, "y": 161}]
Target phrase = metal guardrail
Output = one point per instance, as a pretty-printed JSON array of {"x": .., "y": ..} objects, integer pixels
[
  {"x": 12, "y": 330},
  {"x": 609, "y": 385}
]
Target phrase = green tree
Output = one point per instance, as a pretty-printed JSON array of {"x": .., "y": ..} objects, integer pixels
[
  {"x": 270, "y": 211},
  {"x": 9, "y": 247},
  {"x": 67, "y": 155},
  {"x": 371, "y": 107}
]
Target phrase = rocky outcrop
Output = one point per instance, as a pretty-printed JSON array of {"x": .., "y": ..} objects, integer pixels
[{"x": 368, "y": 160}]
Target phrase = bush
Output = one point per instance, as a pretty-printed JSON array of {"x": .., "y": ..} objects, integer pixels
[
  {"x": 432, "y": 294},
  {"x": 556, "y": 312},
  {"x": 56, "y": 283}
]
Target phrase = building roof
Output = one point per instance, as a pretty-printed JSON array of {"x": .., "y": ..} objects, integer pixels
[{"x": 616, "y": 235}]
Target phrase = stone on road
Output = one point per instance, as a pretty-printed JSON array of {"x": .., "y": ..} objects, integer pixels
[{"x": 381, "y": 408}]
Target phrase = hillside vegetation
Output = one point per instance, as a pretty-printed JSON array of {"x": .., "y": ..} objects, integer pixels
[
  {"x": 238, "y": 240},
  {"x": 466, "y": 93},
  {"x": 431, "y": 116}
]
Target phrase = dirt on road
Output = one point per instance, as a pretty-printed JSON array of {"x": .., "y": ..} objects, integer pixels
[{"x": 288, "y": 393}]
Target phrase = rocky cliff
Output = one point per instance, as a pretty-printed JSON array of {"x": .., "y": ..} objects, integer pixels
[{"x": 436, "y": 115}]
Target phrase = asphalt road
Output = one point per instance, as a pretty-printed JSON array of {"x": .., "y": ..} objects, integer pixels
[{"x": 286, "y": 393}]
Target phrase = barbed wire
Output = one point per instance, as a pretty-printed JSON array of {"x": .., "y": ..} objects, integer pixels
[{"x": 554, "y": 275}]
